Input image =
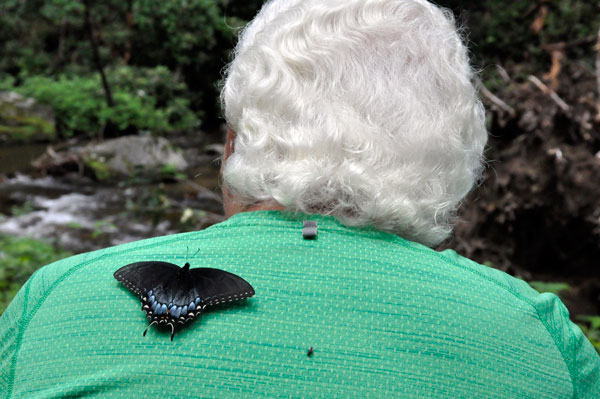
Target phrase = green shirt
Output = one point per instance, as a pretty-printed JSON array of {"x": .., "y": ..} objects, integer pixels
[{"x": 386, "y": 318}]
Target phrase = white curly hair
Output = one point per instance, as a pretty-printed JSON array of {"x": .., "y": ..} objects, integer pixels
[{"x": 360, "y": 109}]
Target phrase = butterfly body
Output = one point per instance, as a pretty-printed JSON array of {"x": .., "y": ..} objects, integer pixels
[{"x": 174, "y": 296}]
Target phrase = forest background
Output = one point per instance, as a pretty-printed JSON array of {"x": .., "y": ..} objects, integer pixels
[{"x": 77, "y": 75}]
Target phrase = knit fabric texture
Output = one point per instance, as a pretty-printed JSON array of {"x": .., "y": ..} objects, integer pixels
[{"x": 385, "y": 317}]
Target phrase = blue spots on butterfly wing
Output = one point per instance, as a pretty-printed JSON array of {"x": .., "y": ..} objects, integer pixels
[
  {"x": 168, "y": 288},
  {"x": 161, "y": 308}
]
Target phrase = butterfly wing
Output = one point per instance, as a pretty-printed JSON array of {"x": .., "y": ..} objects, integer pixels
[
  {"x": 141, "y": 277},
  {"x": 215, "y": 286},
  {"x": 172, "y": 296}
]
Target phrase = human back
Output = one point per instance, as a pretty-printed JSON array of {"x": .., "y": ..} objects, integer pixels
[
  {"x": 361, "y": 116},
  {"x": 384, "y": 316}
]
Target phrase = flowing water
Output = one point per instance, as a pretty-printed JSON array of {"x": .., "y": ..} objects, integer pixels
[{"x": 80, "y": 214}]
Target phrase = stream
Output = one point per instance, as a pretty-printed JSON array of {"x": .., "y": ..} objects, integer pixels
[{"x": 79, "y": 214}]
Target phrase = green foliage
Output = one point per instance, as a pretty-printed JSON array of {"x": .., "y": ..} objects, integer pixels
[
  {"x": 7, "y": 81},
  {"x": 28, "y": 132},
  {"x": 169, "y": 172},
  {"x": 24, "y": 209},
  {"x": 554, "y": 288},
  {"x": 153, "y": 204},
  {"x": 145, "y": 99},
  {"x": 102, "y": 227},
  {"x": 188, "y": 36},
  {"x": 18, "y": 124},
  {"x": 191, "y": 38},
  {"x": 169, "y": 95},
  {"x": 590, "y": 325},
  {"x": 187, "y": 29},
  {"x": 501, "y": 31},
  {"x": 19, "y": 258},
  {"x": 75, "y": 101},
  {"x": 100, "y": 169}
]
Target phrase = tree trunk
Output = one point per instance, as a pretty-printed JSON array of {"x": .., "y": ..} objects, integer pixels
[
  {"x": 88, "y": 25},
  {"x": 130, "y": 25}
]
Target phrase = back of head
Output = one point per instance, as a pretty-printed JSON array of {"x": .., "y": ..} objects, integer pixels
[{"x": 361, "y": 109}]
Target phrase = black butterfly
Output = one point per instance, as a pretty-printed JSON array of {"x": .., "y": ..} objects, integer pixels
[{"x": 174, "y": 296}]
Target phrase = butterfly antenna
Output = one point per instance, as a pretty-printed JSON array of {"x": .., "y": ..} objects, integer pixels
[
  {"x": 146, "y": 330},
  {"x": 172, "y": 330},
  {"x": 196, "y": 253}
]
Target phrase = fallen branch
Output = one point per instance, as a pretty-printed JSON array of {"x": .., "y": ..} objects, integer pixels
[
  {"x": 565, "y": 45},
  {"x": 546, "y": 90},
  {"x": 503, "y": 74},
  {"x": 496, "y": 100}
]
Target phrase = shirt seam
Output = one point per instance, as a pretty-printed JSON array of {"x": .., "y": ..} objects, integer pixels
[
  {"x": 518, "y": 296},
  {"x": 350, "y": 231},
  {"x": 407, "y": 244},
  {"x": 26, "y": 318},
  {"x": 20, "y": 326}
]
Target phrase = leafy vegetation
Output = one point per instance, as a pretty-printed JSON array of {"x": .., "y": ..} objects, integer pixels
[
  {"x": 47, "y": 49},
  {"x": 552, "y": 287},
  {"x": 145, "y": 99},
  {"x": 590, "y": 325},
  {"x": 19, "y": 210},
  {"x": 19, "y": 259},
  {"x": 520, "y": 31},
  {"x": 153, "y": 205}
]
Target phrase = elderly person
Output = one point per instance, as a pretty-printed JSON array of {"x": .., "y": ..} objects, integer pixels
[{"x": 360, "y": 117}]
